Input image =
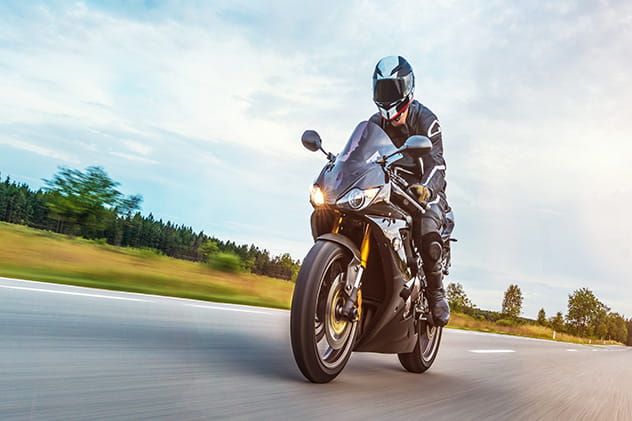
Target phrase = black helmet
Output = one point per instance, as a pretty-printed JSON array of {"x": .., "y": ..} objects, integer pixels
[{"x": 393, "y": 86}]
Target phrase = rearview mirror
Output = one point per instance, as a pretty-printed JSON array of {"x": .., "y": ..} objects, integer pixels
[
  {"x": 417, "y": 146},
  {"x": 311, "y": 140}
]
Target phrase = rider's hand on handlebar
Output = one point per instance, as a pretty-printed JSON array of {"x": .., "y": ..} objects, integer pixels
[{"x": 422, "y": 193}]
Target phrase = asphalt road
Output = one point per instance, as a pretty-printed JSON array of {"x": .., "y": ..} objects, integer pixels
[{"x": 72, "y": 353}]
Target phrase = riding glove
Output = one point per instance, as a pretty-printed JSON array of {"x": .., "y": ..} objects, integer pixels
[{"x": 421, "y": 192}]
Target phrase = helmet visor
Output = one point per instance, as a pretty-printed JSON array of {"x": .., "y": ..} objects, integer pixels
[{"x": 388, "y": 91}]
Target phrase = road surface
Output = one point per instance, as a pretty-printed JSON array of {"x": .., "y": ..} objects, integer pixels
[{"x": 73, "y": 353}]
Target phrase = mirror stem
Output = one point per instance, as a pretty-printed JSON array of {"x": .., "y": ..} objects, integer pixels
[{"x": 331, "y": 157}]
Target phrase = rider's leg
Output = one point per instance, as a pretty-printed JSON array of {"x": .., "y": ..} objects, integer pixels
[{"x": 428, "y": 234}]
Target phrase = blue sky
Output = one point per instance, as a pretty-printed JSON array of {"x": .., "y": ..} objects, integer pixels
[{"x": 199, "y": 106}]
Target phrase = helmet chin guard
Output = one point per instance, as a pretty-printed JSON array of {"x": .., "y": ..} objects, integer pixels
[{"x": 394, "y": 111}]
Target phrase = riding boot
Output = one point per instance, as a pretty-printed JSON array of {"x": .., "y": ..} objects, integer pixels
[{"x": 435, "y": 293}]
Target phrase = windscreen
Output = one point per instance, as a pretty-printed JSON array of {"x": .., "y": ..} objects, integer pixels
[{"x": 355, "y": 165}]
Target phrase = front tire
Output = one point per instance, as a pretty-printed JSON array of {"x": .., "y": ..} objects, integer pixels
[{"x": 322, "y": 341}]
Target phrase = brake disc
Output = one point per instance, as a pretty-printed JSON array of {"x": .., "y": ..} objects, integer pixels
[{"x": 337, "y": 328}]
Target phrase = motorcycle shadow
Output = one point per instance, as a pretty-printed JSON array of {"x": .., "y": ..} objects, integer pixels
[
  {"x": 264, "y": 356},
  {"x": 271, "y": 357}
]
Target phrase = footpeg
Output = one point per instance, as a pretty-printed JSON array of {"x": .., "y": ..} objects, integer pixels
[
  {"x": 411, "y": 289},
  {"x": 406, "y": 292}
]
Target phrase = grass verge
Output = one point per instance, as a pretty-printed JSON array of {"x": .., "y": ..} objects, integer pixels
[
  {"x": 48, "y": 257},
  {"x": 463, "y": 321}
]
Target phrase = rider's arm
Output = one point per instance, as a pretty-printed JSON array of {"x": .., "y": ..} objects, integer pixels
[{"x": 434, "y": 164}]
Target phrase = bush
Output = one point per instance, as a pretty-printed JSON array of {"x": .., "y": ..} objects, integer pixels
[
  {"x": 208, "y": 250},
  {"x": 505, "y": 322},
  {"x": 149, "y": 252},
  {"x": 226, "y": 262}
]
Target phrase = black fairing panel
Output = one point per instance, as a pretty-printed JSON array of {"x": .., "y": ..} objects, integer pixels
[
  {"x": 386, "y": 331},
  {"x": 396, "y": 336},
  {"x": 322, "y": 222}
]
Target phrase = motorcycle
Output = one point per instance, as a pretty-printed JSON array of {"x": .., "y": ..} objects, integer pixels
[{"x": 361, "y": 286}]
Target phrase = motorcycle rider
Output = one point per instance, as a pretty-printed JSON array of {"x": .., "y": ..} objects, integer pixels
[{"x": 401, "y": 116}]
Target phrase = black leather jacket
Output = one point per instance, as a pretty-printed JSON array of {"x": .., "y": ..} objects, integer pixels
[{"x": 421, "y": 121}]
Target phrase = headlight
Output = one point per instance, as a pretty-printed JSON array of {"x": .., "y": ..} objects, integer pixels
[
  {"x": 317, "y": 197},
  {"x": 357, "y": 199}
]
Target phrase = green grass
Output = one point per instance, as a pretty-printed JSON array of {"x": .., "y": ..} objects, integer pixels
[
  {"x": 465, "y": 322},
  {"x": 48, "y": 257}
]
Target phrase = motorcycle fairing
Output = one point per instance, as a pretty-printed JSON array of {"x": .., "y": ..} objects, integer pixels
[
  {"x": 387, "y": 330},
  {"x": 355, "y": 165},
  {"x": 384, "y": 327}
]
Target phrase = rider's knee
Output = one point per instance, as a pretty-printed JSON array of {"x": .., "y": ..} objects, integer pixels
[{"x": 431, "y": 247}]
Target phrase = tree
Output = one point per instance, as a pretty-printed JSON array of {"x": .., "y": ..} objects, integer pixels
[
  {"x": 629, "y": 341},
  {"x": 542, "y": 317},
  {"x": 585, "y": 312},
  {"x": 557, "y": 322},
  {"x": 86, "y": 200},
  {"x": 599, "y": 326},
  {"x": 208, "y": 249},
  {"x": 457, "y": 298},
  {"x": 617, "y": 329},
  {"x": 512, "y": 302}
]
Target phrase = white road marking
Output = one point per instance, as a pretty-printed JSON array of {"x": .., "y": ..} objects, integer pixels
[
  {"x": 150, "y": 297},
  {"x": 491, "y": 351},
  {"x": 227, "y": 308},
  {"x": 51, "y": 291},
  {"x": 571, "y": 350},
  {"x": 498, "y": 335}
]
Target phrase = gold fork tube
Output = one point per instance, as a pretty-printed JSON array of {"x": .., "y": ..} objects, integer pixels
[
  {"x": 366, "y": 245},
  {"x": 337, "y": 224}
]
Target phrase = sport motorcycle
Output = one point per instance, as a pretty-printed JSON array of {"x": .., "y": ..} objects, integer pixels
[{"x": 361, "y": 286}]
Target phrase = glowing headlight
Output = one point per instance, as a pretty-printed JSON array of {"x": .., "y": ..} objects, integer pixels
[
  {"x": 357, "y": 199},
  {"x": 317, "y": 197}
]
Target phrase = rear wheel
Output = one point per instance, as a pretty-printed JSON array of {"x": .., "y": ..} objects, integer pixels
[
  {"x": 322, "y": 340},
  {"x": 426, "y": 348}
]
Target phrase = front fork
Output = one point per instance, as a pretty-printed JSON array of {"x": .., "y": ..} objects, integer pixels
[{"x": 353, "y": 306}]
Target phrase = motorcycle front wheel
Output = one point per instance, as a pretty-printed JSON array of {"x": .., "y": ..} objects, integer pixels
[{"x": 322, "y": 340}]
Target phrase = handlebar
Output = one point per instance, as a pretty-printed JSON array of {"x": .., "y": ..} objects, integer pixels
[
  {"x": 422, "y": 207},
  {"x": 400, "y": 185}
]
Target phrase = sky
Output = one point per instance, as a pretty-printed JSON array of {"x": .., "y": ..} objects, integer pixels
[{"x": 199, "y": 107}]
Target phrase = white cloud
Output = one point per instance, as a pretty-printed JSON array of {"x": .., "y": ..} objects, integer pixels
[
  {"x": 30, "y": 147},
  {"x": 136, "y": 158},
  {"x": 137, "y": 147}
]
